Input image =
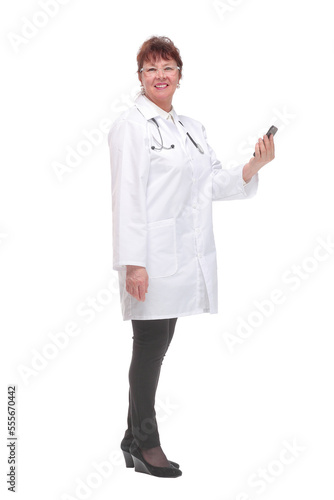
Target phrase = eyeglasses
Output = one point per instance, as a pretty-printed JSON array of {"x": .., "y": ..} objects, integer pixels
[{"x": 151, "y": 71}]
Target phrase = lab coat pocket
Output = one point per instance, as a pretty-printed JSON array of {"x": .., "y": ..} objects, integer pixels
[{"x": 161, "y": 248}]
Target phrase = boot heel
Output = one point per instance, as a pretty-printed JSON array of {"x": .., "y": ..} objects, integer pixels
[
  {"x": 139, "y": 466},
  {"x": 128, "y": 459}
]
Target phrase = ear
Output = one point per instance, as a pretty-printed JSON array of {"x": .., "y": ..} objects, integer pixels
[{"x": 140, "y": 78}]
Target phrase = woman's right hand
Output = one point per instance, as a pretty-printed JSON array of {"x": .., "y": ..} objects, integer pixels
[{"x": 137, "y": 282}]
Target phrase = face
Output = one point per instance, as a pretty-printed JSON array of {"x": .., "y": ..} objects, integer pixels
[{"x": 160, "y": 87}]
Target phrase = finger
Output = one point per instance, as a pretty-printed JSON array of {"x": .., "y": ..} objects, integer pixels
[
  {"x": 266, "y": 141},
  {"x": 272, "y": 143},
  {"x": 141, "y": 293},
  {"x": 132, "y": 290},
  {"x": 267, "y": 144},
  {"x": 262, "y": 148},
  {"x": 257, "y": 150}
]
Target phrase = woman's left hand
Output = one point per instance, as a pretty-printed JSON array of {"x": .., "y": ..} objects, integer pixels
[{"x": 264, "y": 153}]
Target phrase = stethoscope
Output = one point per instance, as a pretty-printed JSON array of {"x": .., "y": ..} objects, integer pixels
[{"x": 172, "y": 146}]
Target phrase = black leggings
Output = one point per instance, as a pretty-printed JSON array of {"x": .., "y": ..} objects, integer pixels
[{"x": 151, "y": 339}]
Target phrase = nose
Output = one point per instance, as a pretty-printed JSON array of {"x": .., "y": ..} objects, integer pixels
[{"x": 163, "y": 72}]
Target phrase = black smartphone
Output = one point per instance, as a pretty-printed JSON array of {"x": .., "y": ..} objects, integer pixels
[{"x": 272, "y": 130}]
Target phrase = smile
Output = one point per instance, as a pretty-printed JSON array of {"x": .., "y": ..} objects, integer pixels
[{"x": 161, "y": 85}]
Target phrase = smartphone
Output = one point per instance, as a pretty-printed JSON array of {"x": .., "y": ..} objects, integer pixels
[{"x": 272, "y": 130}]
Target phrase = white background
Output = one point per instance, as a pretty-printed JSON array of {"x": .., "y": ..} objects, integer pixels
[{"x": 225, "y": 413}]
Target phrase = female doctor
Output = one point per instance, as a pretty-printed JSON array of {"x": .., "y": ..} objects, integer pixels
[{"x": 164, "y": 178}]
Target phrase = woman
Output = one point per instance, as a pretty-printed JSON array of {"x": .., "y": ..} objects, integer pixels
[{"x": 164, "y": 179}]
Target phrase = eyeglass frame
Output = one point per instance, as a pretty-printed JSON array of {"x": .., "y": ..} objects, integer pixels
[{"x": 158, "y": 69}]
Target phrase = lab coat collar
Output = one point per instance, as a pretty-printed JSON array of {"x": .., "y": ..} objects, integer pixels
[{"x": 149, "y": 110}]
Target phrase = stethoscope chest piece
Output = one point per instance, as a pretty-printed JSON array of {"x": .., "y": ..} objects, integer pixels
[{"x": 161, "y": 146}]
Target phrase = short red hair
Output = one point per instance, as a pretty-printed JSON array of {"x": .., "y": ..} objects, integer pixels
[{"x": 156, "y": 47}]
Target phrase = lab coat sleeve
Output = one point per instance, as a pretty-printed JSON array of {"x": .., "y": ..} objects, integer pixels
[
  {"x": 129, "y": 161},
  {"x": 228, "y": 184}
]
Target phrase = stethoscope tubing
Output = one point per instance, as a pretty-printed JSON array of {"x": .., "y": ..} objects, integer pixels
[{"x": 172, "y": 146}]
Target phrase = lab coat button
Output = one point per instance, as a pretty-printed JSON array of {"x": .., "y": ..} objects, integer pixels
[{"x": 199, "y": 255}]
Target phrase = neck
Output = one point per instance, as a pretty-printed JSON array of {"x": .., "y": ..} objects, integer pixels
[{"x": 165, "y": 105}]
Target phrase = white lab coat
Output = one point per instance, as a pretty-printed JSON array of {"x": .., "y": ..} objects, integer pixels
[{"x": 162, "y": 211}]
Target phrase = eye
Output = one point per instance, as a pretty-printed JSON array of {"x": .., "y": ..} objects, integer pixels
[
  {"x": 168, "y": 69},
  {"x": 151, "y": 70}
]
